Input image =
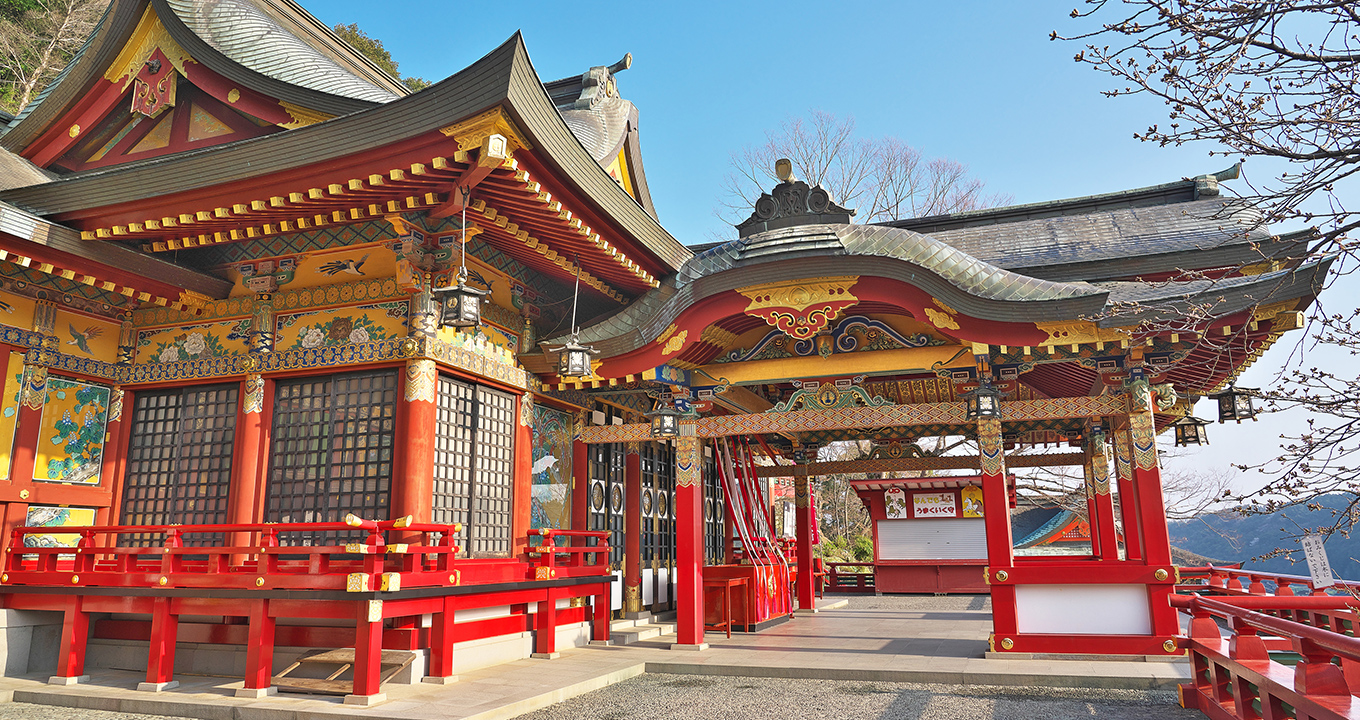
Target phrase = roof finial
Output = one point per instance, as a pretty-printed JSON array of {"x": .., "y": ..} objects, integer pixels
[
  {"x": 783, "y": 170},
  {"x": 622, "y": 65}
]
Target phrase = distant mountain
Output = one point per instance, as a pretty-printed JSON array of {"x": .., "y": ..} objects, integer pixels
[{"x": 1230, "y": 536}]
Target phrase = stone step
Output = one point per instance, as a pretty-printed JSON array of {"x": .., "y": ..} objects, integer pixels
[{"x": 638, "y": 633}]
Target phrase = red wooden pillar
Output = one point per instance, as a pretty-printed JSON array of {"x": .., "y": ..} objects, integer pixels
[
  {"x": 75, "y": 633},
  {"x": 160, "y": 661},
  {"x": 997, "y": 518},
  {"x": 413, "y": 463},
  {"x": 27, "y": 427},
  {"x": 580, "y": 478},
  {"x": 441, "y": 645},
  {"x": 807, "y": 599},
  {"x": 689, "y": 545},
  {"x": 115, "y": 457},
  {"x": 1128, "y": 492},
  {"x": 1147, "y": 479},
  {"x": 259, "y": 652},
  {"x": 522, "y": 495},
  {"x": 1104, "y": 540},
  {"x": 632, "y": 530},
  {"x": 368, "y": 628},
  {"x": 248, "y": 483}
]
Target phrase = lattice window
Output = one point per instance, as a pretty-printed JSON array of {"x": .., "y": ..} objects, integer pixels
[
  {"x": 474, "y": 465},
  {"x": 605, "y": 511},
  {"x": 179, "y": 460},
  {"x": 332, "y": 450},
  {"x": 715, "y": 513},
  {"x": 647, "y": 543}
]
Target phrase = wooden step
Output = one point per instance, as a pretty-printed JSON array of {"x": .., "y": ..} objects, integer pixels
[{"x": 391, "y": 662}]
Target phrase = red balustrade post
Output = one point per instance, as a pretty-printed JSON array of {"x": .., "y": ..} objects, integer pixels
[
  {"x": 441, "y": 645},
  {"x": 160, "y": 662},
  {"x": 1315, "y": 674},
  {"x": 1245, "y": 643},
  {"x": 600, "y": 607},
  {"x": 545, "y": 627},
  {"x": 259, "y": 652},
  {"x": 1202, "y": 625},
  {"x": 689, "y": 544},
  {"x": 75, "y": 633},
  {"x": 368, "y": 628},
  {"x": 1256, "y": 587},
  {"x": 632, "y": 536}
]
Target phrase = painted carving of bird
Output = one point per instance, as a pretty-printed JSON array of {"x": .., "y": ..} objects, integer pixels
[
  {"x": 476, "y": 277},
  {"x": 81, "y": 338},
  {"x": 6, "y": 307},
  {"x": 335, "y": 267}
]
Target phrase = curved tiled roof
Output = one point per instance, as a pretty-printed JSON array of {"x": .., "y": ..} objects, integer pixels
[
  {"x": 947, "y": 269},
  {"x": 969, "y": 274},
  {"x": 1064, "y": 240},
  {"x": 246, "y": 33}
]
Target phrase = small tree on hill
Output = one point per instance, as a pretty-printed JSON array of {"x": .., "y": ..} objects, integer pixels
[{"x": 881, "y": 178}]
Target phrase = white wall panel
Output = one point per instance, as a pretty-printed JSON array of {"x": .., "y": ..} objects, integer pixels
[
  {"x": 1083, "y": 609},
  {"x": 932, "y": 539}
]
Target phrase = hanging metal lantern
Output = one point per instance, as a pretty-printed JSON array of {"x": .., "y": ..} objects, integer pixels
[
  {"x": 983, "y": 401},
  {"x": 573, "y": 359},
  {"x": 665, "y": 421},
  {"x": 460, "y": 305},
  {"x": 1190, "y": 430},
  {"x": 1235, "y": 404}
]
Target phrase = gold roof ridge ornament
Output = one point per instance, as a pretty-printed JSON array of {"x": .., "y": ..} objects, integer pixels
[{"x": 792, "y": 202}]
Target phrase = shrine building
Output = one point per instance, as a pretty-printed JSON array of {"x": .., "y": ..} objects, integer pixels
[{"x": 299, "y": 360}]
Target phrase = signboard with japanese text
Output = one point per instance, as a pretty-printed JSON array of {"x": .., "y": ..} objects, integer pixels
[
  {"x": 1318, "y": 565},
  {"x": 934, "y": 505}
]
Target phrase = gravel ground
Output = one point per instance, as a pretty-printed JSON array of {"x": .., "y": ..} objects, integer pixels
[
  {"x": 29, "y": 711},
  {"x": 682, "y": 697}
]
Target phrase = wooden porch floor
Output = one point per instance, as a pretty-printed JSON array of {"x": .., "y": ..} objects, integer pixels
[{"x": 886, "y": 639}]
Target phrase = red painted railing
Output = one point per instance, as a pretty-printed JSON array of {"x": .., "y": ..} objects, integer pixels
[
  {"x": 173, "y": 578},
  {"x": 840, "y": 577},
  {"x": 1235, "y": 581},
  {"x": 1235, "y": 677},
  {"x": 259, "y": 558}
]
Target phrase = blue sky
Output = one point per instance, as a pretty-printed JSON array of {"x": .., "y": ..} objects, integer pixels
[{"x": 976, "y": 82}]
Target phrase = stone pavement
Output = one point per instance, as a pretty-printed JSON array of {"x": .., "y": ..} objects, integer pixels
[{"x": 887, "y": 639}]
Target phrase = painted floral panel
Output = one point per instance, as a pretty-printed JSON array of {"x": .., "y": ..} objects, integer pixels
[
  {"x": 550, "y": 502},
  {"x": 56, "y": 517},
  {"x": 342, "y": 326},
  {"x": 71, "y": 438},
  {"x": 193, "y": 342}
]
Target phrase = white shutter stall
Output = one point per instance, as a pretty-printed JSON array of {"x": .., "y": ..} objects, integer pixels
[{"x": 934, "y": 539}]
